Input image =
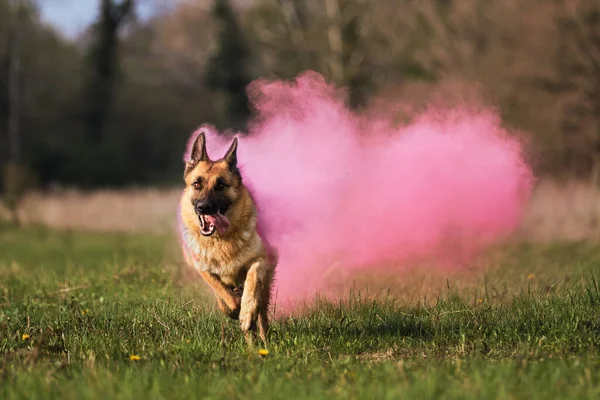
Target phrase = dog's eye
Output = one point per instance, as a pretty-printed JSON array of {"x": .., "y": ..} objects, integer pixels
[
  {"x": 197, "y": 185},
  {"x": 220, "y": 185}
]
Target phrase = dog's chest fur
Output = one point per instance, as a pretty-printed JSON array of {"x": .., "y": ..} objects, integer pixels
[{"x": 225, "y": 257}]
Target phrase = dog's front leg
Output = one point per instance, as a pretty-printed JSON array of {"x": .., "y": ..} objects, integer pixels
[
  {"x": 222, "y": 292},
  {"x": 253, "y": 302}
]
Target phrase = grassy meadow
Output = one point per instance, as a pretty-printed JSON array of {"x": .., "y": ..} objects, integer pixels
[{"x": 97, "y": 315}]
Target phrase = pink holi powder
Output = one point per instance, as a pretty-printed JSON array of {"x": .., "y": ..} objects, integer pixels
[{"x": 337, "y": 190}]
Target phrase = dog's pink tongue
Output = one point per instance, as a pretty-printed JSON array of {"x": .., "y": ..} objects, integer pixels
[{"x": 219, "y": 221}]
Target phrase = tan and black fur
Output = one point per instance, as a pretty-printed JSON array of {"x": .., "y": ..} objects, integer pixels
[{"x": 236, "y": 263}]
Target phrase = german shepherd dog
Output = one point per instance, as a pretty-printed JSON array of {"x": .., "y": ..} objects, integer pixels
[{"x": 219, "y": 238}]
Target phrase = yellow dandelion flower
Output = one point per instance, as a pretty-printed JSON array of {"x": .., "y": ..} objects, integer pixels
[
  {"x": 25, "y": 337},
  {"x": 480, "y": 300},
  {"x": 530, "y": 277},
  {"x": 187, "y": 341},
  {"x": 263, "y": 352},
  {"x": 133, "y": 357}
]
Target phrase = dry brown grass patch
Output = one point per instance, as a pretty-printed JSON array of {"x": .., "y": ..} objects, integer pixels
[{"x": 569, "y": 211}]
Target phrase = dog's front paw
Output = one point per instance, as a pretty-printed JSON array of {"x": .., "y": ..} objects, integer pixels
[
  {"x": 248, "y": 314},
  {"x": 238, "y": 291}
]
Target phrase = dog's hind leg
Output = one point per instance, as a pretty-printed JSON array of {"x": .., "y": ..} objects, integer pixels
[
  {"x": 265, "y": 302},
  {"x": 263, "y": 324}
]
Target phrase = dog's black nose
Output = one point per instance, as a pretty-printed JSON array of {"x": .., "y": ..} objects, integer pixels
[{"x": 206, "y": 208}]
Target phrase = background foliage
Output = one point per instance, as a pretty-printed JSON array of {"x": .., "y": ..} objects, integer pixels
[{"x": 115, "y": 105}]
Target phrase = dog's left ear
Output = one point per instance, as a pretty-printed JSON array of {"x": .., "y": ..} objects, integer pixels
[{"x": 231, "y": 156}]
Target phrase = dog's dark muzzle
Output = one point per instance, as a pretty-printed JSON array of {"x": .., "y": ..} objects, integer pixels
[
  {"x": 206, "y": 208},
  {"x": 211, "y": 217},
  {"x": 211, "y": 207}
]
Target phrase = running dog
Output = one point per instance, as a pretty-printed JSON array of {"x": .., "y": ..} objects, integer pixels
[{"x": 219, "y": 238}]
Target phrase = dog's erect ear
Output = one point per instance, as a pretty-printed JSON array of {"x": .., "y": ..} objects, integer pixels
[
  {"x": 198, "y": 154},
  {"x": 199, "y": 149},
  {"x": 231, "y": 156}
]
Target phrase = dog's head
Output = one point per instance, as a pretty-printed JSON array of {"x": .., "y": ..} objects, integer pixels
[{"x": 212, "y": 187}]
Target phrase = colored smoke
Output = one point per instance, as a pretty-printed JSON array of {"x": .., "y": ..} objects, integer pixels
[{"x": 338, "y": 189}]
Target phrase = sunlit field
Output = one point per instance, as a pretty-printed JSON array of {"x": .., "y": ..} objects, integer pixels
[{"x": 115, "y": 315}]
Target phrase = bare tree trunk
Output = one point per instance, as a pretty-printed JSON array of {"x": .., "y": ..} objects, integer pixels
[
  {"x": 14, "y": 74},
  {"x": 291, "y": 14},
  {"x": 334, "y": 36},
  {"x": 13, "y": 178}
]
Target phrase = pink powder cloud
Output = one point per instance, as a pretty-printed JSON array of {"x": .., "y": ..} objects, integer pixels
[{"x": 336, "y": 188}]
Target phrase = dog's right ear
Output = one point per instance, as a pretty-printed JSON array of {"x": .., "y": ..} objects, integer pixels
[
  {"x": 198, "y": 153},
  {"x": 199, "y": 149}
]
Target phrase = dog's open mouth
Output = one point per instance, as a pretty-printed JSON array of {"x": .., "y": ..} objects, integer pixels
[{"x": 211, "y": 223}]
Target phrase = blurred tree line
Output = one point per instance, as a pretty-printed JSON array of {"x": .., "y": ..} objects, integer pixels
[{"x": 116, "y": 105}]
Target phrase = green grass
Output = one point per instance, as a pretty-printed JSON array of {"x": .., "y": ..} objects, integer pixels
[{"x": 90, "y": 301}]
